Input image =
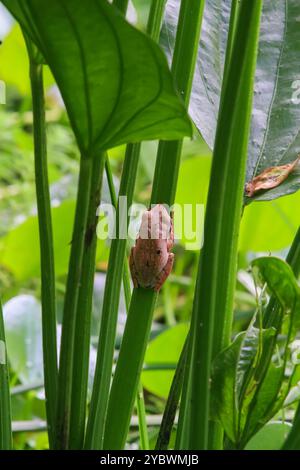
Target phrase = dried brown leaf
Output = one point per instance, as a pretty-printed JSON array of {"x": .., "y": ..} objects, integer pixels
[{"x": 270, "y": 178}]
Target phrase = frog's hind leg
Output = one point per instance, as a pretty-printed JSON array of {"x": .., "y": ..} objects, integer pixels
[
  {"x": 160, "y": 279},
  {"x": 133, "y": 269}
]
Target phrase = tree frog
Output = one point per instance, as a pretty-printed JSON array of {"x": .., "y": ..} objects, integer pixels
[{"x": 151, "y": 260}]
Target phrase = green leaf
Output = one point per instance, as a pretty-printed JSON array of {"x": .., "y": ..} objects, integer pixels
[
  {"x": 271, "y": 387},
  {"x": 224, "y": 400},
  {"x": 270, "y": 437},
  {"x": 282, "y": 284},
  {"x": 24, "y": 337},
  {"x": 249, "y": 385},
  {"x": 13, "y": 57},
  {"x": 114, "y": 80},
  {"x": 162, "y": 351},
  {"x": 23, "y": 262},
  {"x": 266, "y": 401},
  {"x": 230, "y": 369},
  {"x": 275, "y": 222},
  {"x": 196, "y": 171},
  {"x": 274, "y": 138},
  {"x": 269, "y": 225}
]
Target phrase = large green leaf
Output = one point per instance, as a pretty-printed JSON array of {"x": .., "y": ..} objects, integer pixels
[
  {"x": 280, "y": 279},
  {"x": 16, "y": 252},
  {"x": 270, "y": 437},
  {"x": 114, "y": 80},
  {"x": 269, "y": 225},
  {"x": 13, "y": 57},
  {"x": 265, "y": 226},
  {"x": 274, "y": 138},
  {"x": 163, "y": 351},
  {"x": 24, "y": 337}
]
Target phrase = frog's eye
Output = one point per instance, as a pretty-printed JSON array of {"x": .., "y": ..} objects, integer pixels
[{"x": 158, "y": 252}]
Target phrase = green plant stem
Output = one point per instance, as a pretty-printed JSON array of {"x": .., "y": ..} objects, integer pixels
[
  {"x": 140, "y": 402},
  {"x": 5, "y": 408},
  {"x": 141, "y": 411},
  {"x": 213, "y": 302},
  {"x": 106, "y": 344},
  {"x": 144, "y": 438},
  {"x": 155, "y": 18},
  {"x": 46, "y": 245},
  {"x": 293, "y": 257},
  {"x": 127, "y": 373},
  {"x": 215, "y": 432},
  {"x": 136, "y": 329},
  {"x": 234, "y": 12},
  {"x": 67, "y": 353},
  {"x": 172, "y": 403},
  {"x": 84, "y": 311}
]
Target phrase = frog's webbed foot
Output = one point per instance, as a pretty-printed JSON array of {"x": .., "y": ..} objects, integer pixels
[{"x": 160, "y": 279}]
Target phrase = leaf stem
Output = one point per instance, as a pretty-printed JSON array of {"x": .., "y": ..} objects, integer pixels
[
  {"x": 172, "y": 402},
  {"x": 5, "y": 407},
  {"x": 84, "y": 311},
  {"x": 65, "y": 378},
  {"x": 213, "y": 301},
  {"x": 136, "y": 329},
  {"x": 103, "y": 372},
  {"x": 46, "y": 243}
]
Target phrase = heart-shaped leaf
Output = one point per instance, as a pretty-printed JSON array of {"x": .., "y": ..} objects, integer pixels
[
  {"x": 114, "y": 80},
  {"x": 274, "y": 138}
]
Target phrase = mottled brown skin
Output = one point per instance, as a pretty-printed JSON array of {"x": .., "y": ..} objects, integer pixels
[{"x": 151, "y": 260}]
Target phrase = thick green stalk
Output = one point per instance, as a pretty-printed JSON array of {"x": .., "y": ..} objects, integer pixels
[
  {"x": 144, "y": 438},
  {"x": 155, "y": 18},
  {"x": 216, "y": 433},
  {"x": 213, "y": 302},
  {"x": 5, "y": 409},
  {"x": 84, "y": 311},
  {"x": 140, "y": 402},
  {"x": 106, "y": 344},
  {"x": 138, "y": 324},
  {"x": 46, "y": 244},
  {"x": 234, "y": 12},
  {"x": 103, "y": 373},
  {"x": 65, "y": 378},
  {"x": 293, "y": 257},
  {"x": 172, "y": 402},
  {"x": 136, "y": 329},
  {"x": 141, "y": 411}
]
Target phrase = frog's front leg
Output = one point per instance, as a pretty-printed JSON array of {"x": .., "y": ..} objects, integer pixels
[
  {"x": 162, "y": 276},
  {"x": 133, "y": 269}
]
